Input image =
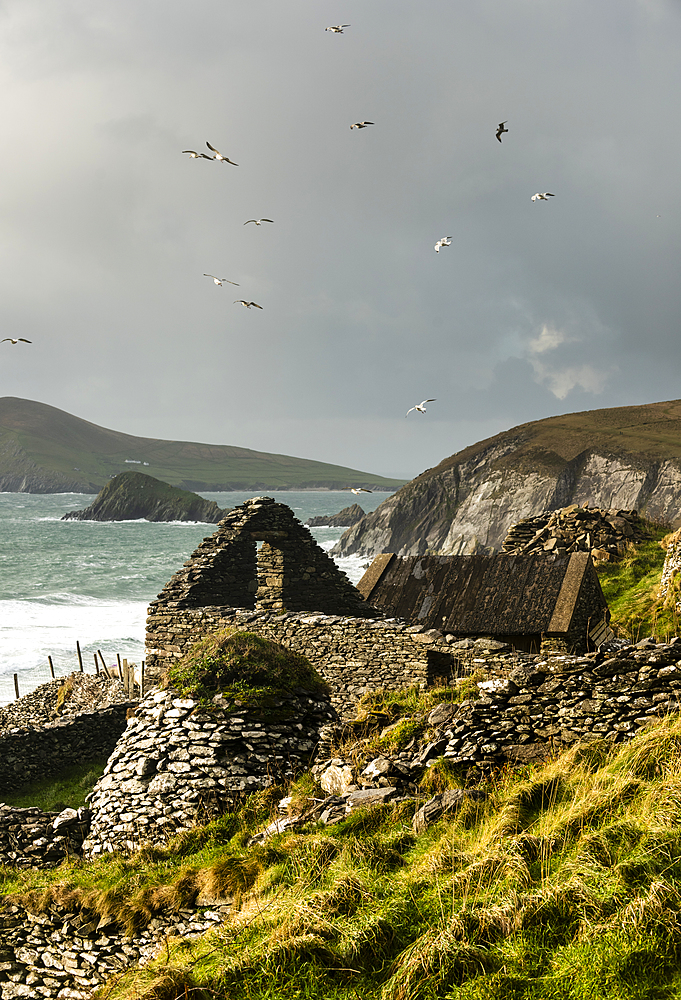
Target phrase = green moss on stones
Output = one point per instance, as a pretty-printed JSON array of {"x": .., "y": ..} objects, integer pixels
[{"x": 245, "y": 669}]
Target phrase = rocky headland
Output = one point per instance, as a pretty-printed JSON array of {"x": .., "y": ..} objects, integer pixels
[
  {"x": 626, "y": 458},
  {"x": 133, "y": 495},
  {"x": 345, "y": 518}
]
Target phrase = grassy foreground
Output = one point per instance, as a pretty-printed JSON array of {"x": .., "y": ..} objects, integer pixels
[{"x": 565, "y": 883}]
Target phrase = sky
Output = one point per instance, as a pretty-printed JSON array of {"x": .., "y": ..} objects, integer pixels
[{"x": 535, "y": 309}]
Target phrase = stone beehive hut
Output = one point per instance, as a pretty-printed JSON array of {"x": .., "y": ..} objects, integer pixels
[
  {"x": 179, "y": 763},
  {"x": 288, "y": 572}
]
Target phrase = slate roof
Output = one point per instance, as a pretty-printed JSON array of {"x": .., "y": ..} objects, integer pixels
[{"x": 501, "y": 594}]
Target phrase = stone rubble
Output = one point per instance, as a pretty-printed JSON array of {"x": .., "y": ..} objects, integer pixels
[
  {"x": 68, "y": 955},
  {"x": 84, "y": 693},
  {"x": 603, "y": 533},
  {"x": 31, "y": 838}
]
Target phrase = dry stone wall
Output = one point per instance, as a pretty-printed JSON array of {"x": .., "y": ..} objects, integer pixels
[
  {"x": 68, "y": 955},
  {"x": 30, "y": 753},
  {"x": 353, "y": 655},
  {"x": 532, "y": 703}
]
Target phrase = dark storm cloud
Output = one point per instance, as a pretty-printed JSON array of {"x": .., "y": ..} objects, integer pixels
[{"x": 535, "y": 308}]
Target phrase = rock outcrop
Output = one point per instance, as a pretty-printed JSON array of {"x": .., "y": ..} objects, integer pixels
[
  {"x": 133, "y": 495},
  {"x": 343, "y": 519},
  {"x": 624, "y": 458}
]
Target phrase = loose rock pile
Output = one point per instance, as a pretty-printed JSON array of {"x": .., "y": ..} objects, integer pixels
[
  {"x": 604, "y": 533},
  {"x": 84, "y": 693},
  {"x": 67, "y": 955},
  {"x": 178, "y": 763},
  {"x": 31, "y": 838}
]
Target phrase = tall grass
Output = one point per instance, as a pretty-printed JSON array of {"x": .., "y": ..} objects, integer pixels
[{"x": 565, "y": 882}]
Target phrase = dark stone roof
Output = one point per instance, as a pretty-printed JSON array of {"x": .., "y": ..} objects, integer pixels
[{"x": 498, "y": 594}]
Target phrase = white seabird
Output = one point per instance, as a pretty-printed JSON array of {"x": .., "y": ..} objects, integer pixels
[
  {"x": 197, "y": 156},
  {"x": 257, "y": 221},
  {"x": 219, "y": 156},
  {"x": 337, "y": 28},
  {"x": 501, "y": 129},
  {"x": 15, "y": 340},
  {"x": 420, "y": 407},
  {"x": 362, "y": 124},
  {"x": 218, "y": 281},
  {"x": 357, "y": 490},
  {"x": 248, "y": 305},
  {"x": 542, "y": 196},
  {"x": 446, "y": 241}
]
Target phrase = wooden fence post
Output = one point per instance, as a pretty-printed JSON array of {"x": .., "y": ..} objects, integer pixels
[
  {"x": 142, "y": 679},
  {"x": 126, "y": 677},
  {"x": 96, "y": 663},
  {"x": 120, "y": 666},
  {"x": 99, "y": 654},
  {"x": 16, "y": 685},
  {"x": 49, "y": 660},
  {"x": 80, "y": 656}
]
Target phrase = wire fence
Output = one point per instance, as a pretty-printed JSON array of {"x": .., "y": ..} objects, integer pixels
[{"x": 130, "y": 674}]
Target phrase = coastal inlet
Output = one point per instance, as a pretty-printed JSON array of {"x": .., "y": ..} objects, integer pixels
[{"x": 68, "y": 581}]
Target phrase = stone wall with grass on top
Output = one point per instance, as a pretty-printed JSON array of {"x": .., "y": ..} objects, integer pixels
[{"x": 353, "y": 655}]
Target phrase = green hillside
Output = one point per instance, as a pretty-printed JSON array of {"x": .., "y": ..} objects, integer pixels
[
  {"x": 46, "y": 450},
  {"x": 651, "y": 431}
]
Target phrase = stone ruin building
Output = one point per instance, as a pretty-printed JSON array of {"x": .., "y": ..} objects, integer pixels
[
  {"x": 521, "y": 600},
  {"x": 289, "y": 572}
]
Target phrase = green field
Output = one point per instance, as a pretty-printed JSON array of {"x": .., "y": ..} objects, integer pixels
[{"x": 49, "y": 444}]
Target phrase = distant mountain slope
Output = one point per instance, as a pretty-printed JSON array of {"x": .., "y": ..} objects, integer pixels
[
  {"x": 46, "y": 450},
  {"x": 625, "y": 457}
]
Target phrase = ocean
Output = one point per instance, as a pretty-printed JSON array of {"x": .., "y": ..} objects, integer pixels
[{"x": 63, "y": 582}]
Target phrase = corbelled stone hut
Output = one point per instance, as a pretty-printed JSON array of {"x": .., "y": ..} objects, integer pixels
[{"x": 521, "y": 600}]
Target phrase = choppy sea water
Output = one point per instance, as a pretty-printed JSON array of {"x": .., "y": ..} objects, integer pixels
[{"x": 68, "y": 581}]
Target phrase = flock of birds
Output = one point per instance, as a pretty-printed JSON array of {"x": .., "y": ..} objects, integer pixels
[{"x": 216, "y": 156}]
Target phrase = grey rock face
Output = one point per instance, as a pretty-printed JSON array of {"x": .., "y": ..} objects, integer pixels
[{"x": 469, "y": 502}]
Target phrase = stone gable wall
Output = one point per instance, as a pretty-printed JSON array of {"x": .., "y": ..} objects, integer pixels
[{"x": 291, "y": 571}]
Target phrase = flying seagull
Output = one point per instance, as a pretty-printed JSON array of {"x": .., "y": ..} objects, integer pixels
[
  {"x": 542, "y": 196},
  {"x": 218, "y": 281},
  {"x": 219, "y": 156},
  {"x": 501, "y": 129},
  {"x": 15, "y": 340},
  {"x": 197, "y": 156},
  {"x": 446, "y": 241},
  {"x": 337, "y": 28},
  {"x": 420, "y": 407},
  {"x": 257, "y": 221},
  {"x": 247, "y": 304},
  {"x": 357, "y": 490},
  {"x": 362, "y": 124}
]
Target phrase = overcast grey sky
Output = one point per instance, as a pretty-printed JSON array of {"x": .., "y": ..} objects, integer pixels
[{"x": 534, "y": 309}]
